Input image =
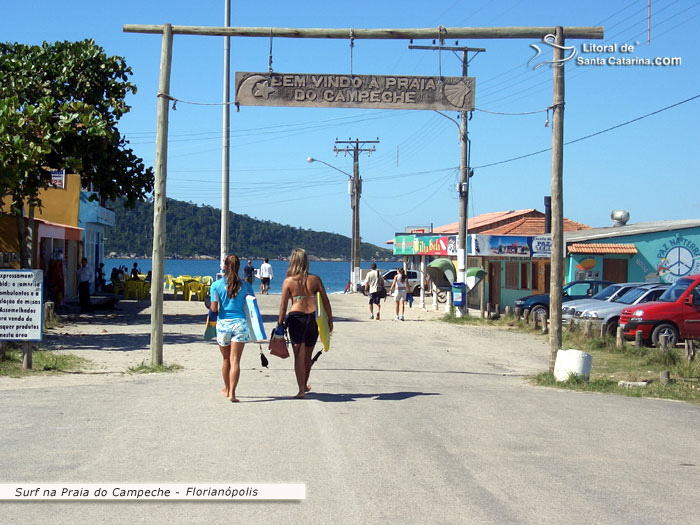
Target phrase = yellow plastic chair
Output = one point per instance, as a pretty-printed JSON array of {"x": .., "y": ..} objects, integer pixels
[
  {"x": 168, "y": 282},
  {"x": 195, "y": 288},
  {"x": 135, "y": 288},
  {"x": 207, "y": 280},
  {"x": 178, "y": 286},
  {"x": 118, "y": 287}
]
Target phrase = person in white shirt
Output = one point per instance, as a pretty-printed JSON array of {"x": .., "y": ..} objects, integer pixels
[
  {"x": 86, "y": 276},
  {"x": 266, "y": 276}
]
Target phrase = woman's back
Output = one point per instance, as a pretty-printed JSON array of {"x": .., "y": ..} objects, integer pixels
[{"x": 303, "y": 298}]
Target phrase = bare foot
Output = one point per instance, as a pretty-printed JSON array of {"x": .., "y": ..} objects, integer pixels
[
  {"x": 308, "y": 388},
  {"x": 225, "y": 392},
  {"x": 233, "y": 399},
  {"x": 300, "y": 395}
]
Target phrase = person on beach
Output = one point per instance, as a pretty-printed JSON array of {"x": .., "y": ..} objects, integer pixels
[
  {"x": 266, "y": 276},
  {"x": 100, "y": 278},
  {"x": 227, "y": 300},
  {"x": 372, "y": 282},
  {"x": 398, "y": 290},
  {"x": 300, "y": 288},
  {"x": 85, "y": 276},
  {"x": 135, "y": 271},
  {"x": 249, "y": 272}
]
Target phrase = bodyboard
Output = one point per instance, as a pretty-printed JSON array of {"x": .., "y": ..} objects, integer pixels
[
  {"x": 254, "y": 319},
  {"x": 324, "y": 332},
  {"x": 210, "y": 329}
]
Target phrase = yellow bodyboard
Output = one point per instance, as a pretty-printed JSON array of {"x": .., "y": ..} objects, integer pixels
[{"x": 324, "y": 332}]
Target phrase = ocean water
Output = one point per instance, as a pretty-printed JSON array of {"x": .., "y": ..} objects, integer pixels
[{"x": 335, "y": 275}]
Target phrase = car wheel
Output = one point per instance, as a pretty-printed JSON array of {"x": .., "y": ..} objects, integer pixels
[
  {"x": 442, "y": 296},
  {"x": 537, "y": 310},
  {"x": 416, "y": 291},
  {"x": 664, "y": 329},
  {"x": 611, "y": 327}
]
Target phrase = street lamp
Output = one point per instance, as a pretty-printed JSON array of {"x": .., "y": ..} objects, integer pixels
[{"x": 354, "y": 205}]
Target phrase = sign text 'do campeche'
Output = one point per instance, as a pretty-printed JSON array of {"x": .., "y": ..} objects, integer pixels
[{"x": 355, "y": 91}]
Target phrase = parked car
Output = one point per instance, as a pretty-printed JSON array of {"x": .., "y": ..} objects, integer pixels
[
  {"x": 388, "y": 276},
  {"x": 608, "y": 294},
  {"x": 608, "y": 314},
  {"x": 676, "y": 314},
  {"x": 539, "y": 303}
]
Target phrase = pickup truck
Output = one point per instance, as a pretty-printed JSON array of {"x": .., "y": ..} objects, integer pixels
[{"x": 676, "y": 314}]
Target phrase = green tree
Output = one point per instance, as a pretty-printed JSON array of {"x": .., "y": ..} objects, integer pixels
[{"x": 59, "y": 108}]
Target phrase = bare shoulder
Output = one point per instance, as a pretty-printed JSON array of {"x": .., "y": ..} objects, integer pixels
[{"x": 314, "y": 283}]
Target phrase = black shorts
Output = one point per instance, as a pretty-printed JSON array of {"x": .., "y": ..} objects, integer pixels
[
  {"x": 265, "y": 280},
  {"x": 302, "y": 328},
  {"x": 374, "y": 298}
]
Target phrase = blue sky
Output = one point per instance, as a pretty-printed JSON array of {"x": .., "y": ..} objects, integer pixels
[{"x": 649, "y": 167}]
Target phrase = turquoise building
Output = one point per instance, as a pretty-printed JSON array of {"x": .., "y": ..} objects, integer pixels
[{"x": 661, "y": 251}]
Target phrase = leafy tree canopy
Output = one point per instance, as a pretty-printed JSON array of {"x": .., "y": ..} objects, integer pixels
[{"x": 59, "y": 108}]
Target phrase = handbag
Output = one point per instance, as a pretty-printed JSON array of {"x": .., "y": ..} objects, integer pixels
[{"x": 278, "y": 345}]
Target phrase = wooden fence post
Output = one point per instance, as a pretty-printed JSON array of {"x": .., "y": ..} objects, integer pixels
[
  {"x": 27, "y": 355},
  {"x": 587, "y": 330},
  {"x": 619, "y": 339},
  {"x": 638, "y": 339},
  {"x": 526, "y": 316},
  {"x": 543, "y": 320},
  {"x": 664, "y": 343},
  {"x": 689, "y": 349},
  {"x": 518, "y": 313}
]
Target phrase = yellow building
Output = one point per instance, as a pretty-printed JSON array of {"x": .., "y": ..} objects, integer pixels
[{"x": 56, "y": 237}]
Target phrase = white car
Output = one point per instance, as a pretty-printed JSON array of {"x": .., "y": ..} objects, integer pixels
[
  {"x": 607, "y": 295},
  {"x": 608, "y": 314},
  {"x": 388, "y": 276}
]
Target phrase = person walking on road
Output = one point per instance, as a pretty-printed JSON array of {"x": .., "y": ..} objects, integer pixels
[
  {"x": 266, "y": 276},
  {"x": 249, "y": 272},
  {"x": 300, "y": 287},
  {"x": 85, "y": 276},
  {"x": 232, "y": 333},
  {"x": 398, "y": 290},
  {"x": 374, "y": 284}
]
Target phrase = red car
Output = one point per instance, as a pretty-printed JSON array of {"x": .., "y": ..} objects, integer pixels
[{"x": 675, "y": 314}]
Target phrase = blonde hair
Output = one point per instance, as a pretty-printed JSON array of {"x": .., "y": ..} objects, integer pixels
[
  {"x": 233, "y": 282},
  {"x": 299, "y": 265}
]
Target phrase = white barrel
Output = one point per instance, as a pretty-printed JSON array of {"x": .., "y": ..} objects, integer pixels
[{"x": 572, "y": 361}]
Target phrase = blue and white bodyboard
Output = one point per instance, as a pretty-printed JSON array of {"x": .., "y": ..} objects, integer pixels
[{"x": 255, "y": 324}]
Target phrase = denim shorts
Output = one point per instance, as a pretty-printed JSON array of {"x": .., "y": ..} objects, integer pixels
[{"x": 232, "y": 331}]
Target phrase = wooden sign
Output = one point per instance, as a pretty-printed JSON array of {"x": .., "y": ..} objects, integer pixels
[{"x": 355, "y": 91}]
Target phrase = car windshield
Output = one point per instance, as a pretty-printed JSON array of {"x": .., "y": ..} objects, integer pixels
[
  {"x": 674, "y": 293},
  {"x": 607, "y": 293},
  {"x": 632, "y": 296}
]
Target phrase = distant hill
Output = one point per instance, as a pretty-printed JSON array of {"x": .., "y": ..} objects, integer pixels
[{"x": 194, "y": 230}]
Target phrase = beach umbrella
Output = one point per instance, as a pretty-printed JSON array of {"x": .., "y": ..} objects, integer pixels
[{"x": 474, "y": 277}]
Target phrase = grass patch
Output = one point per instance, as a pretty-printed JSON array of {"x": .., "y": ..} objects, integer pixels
[
  {"x": 612, "y": 364},
  {"x": 143, "y": 368},
  {"x": 43, "y": 363}
]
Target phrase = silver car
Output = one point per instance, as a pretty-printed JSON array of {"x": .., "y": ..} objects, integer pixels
[
  {"x": 609, "y": 294},
  {"x": 608, "y": 314}
]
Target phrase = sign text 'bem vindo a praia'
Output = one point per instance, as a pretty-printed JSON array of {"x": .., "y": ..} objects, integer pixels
[{"x": 355, "y": 91}]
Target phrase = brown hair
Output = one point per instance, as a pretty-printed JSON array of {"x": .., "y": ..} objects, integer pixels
[
  {"x": 299, "y": 266},
  {"x": 402, "y": 272},
  {"x": 233, "y": 283}
]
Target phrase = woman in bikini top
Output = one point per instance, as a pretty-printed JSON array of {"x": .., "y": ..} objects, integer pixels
[{"x": 300, "y": 287}]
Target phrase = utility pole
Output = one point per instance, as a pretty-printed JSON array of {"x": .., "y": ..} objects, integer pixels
[
  {"x": 557, "y": 264},
  {"x": 355, "y": 200},
  {"x": 465, "y": 172},
  {"x": 225, "y": 155}
]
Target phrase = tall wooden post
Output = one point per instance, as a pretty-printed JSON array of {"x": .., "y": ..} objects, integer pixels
[
  {"x": 225, "y": 146},
  {"x": 159, "y": 199},
  {"x": 557, "y": 261}
]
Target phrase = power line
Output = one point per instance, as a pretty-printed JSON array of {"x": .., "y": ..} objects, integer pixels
[{"x": 592, "y": 134}]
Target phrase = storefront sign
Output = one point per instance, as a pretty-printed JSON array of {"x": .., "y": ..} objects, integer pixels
[
  {"x": 355, "y": 91},
  {"x": 21, "y": 305},
  {"x": 503, "y": 245},
  {"x": 425, "y": 244},
  {"x": 58, "y": 179}
]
